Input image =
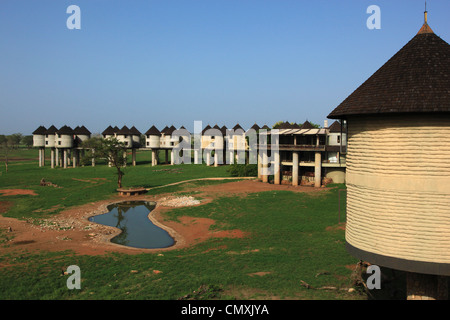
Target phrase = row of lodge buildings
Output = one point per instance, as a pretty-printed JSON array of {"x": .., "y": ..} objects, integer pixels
[{"x": 306, "y": 155}]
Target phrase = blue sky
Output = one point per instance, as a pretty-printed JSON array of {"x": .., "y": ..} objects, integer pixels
[{"x": 167, "y": 62}]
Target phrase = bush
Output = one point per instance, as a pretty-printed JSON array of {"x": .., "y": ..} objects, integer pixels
[{"x": 243, "y": 170}]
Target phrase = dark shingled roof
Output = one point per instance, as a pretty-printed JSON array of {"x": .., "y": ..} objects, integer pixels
[
  {"x": 165, "y": 130},
  {"x": 51, "y": 130},
  {"x": 108, "y": 131},
  {"x": 335, "y": 127},
  {"x": 205, "y": 129},
  {"x": 153, "y": 131},
  {"x": 307, "y": 125},
  {"x": 255, "y": 127},
  {"x": 415, "y": 80},
  {"x": 124, "y": 131},
  {"x": 237, "y": 127},
  {"x": 284, "y": 125},
  {"x": 265, "y": 127},
  {"x": 135, "y": 131},
  {"x": 65, "y": 130},
  {"x": 81, "y": 130},
  {"x": 224, "y": 130},
  {"x": 40, "y": 131},
  {"x": 170, "y": 130}
]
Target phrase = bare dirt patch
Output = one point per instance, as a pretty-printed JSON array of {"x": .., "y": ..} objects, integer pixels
[
  {"x": 14, "y": 192},
  {"x": 71, "y": 229}
]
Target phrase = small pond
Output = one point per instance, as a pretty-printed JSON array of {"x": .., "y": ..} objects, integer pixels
[{"x": 131, "y": 217}]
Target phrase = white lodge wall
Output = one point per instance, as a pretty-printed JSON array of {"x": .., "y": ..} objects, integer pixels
[{"x": 398, "y": 180}]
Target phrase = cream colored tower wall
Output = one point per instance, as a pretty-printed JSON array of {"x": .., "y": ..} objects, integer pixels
[
  {"x": 398, "y": 173},
  {"x": 154, "y": 141},
  {"x": 39, "y": 140},
  {"x": 64, "y": 141},
  {"x": 50, "y": 140}
]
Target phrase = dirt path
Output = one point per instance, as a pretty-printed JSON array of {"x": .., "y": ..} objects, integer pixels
[{"x": 71, "y": 229}]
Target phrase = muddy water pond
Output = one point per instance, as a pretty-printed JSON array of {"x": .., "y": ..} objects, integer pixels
[{"x": 137, "y": 230}]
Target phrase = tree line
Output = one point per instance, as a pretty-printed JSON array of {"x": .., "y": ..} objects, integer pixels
[{"x": 15, "y": 140}]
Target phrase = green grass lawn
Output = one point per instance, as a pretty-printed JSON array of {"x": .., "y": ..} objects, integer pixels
[{"x": 292, "y": 237}]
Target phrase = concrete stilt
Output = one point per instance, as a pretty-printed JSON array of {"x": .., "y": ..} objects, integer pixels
[
  {"x": 295, "y": 169},
  {"x": 74, "y": 158},
  {"x": 133, "y": 157},
  {"x": 172, "y": 158},
  {"x": 65, "y": 158},
  {"x": 259, "y": 166},
  {"x": 154, "y": 162},
  {"x": 216, "y": 159},
  {"x": 52, "y": 158},
  {"x": 40, "y": 157},
  {"x": 208, "y": 158},
  {"x": 265, "y": 163},
  {"x": 196, "y": 159},
  {"x": 277, "y": 171},
  {"x": 93, "y": 158},
  {"x": 318, "y": 170},
  {"x": 57, "y": 157}
]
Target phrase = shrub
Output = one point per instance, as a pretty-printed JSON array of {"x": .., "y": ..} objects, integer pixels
[{"x": 243, "y": 170}]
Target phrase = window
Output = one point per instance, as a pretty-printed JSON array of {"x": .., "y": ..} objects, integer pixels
[
  {"x": 59, "y": 143},
  {"x": 148, "y": 143},
  {"x": 338, "y": 139},
  {"x": 46, "y": 142}
]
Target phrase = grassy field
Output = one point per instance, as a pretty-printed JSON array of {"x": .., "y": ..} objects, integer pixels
[{"x": 293, "y": 238}]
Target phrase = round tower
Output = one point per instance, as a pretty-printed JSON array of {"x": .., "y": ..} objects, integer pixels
[
  {"x": 39, "y": 137},
  {"x": 398, "y": 200},
  {"x": 152, "y": 138},
  {"x": 64, "y": 137}
]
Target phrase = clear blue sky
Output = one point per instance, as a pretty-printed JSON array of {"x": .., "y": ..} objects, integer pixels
[{"x": 167, "y": 62}]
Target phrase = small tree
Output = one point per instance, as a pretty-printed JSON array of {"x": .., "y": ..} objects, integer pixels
[
  {"x": 5, "y": 147},
  {"x": 111, "y": 150},
  {"x": 27, "y": 141}
]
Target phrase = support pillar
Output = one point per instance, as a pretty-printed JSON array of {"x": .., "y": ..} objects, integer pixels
[
  {"x": 74, "y": 158},
  {"x": 40, "y": 157},
  {"x": 125, "y": 158},
  {"x": 57, "y": 157},
  {"x": 133, "y": 157},
  {"x": 167, "y": 156},
  {"x": 295, "y": 169},
  {"x": 196, "y": 159},
  {"x": 265, "y": 173},
  {"x": 216, "y": 159},
  {"x": 52, "y": 158},
  {"x": 208, "y": 158},
  {"x": 277, "y": 167},
  {"x": 93, "y": 157},
  {"x": 318, "y": 170},
  {"x": 65, "y": 158},
  {"x": 171, "y": 158},
  {"x": 154, "y": 159},
  {"x": 259, "y": 166}
]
